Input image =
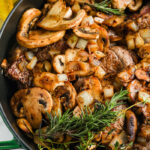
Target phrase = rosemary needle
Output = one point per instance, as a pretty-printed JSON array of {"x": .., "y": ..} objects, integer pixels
[
  {"x": 104, "y": 7},
  {"x": 79, "y": 127}
]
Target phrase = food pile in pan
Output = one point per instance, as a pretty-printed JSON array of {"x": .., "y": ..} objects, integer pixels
[{"x": 83, "y": 73}]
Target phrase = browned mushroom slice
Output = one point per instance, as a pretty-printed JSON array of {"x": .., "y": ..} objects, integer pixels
[
  {"x": 77, "y": 68},
  {"x": 87, "y": 32},
  {"x": 133, "y": 89},
  {"x": 141, "y": 74},
  {"x": 144, "y": 51},
  {"x": 46, "y": 80},
  {"x": 24, "y": 125},
  {"x": 37, "y": 38},
  {"x": 37, "y": 102},
  {"x": 66, "y": 94},
  {"x": 127, "y": 75},
  {"x": 16, "y": 103},
  {"x": 144, "y": 95},
  {"x": 131, "y": 125},
  {"x": 76, "y": 55},
  {"x": 134, "y": 5},
  {"x": 55, "y": 20},
  {"x": 59, "y": 63}
]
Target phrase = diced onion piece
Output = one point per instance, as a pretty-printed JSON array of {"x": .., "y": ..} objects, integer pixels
[
  {"x": 47, "y": 66},
  {"x": 144, "y": 96},
  {"x": 4, "y": 64},
  {"x": 32, "y": 63},
  {"x": 100, "y": 73},
  {"x": 82, "y": 44},
  {"x": 108, "y": 91},
  {"x": 122, "y": 138},
  {"x": 29, "y": 55},
  {"x": 62, "y": 77},
  {"x": 68, "y": 13},
  {"x": 87, "y": 21},
  {"x": 84, "y": 98},
  {"x": 139, "y": 42},
  {"x": 53, "y": 52},
  {"x": 145, "y": 34},
  {"x": 130, "y": 41},
  {"x": 99, "y": 54},
  {"x": 133, "y": 26},
  {"x": 98, "y": 20},
  {"x": 92, "y": 46},
  {"x": 72, "y": 41}
]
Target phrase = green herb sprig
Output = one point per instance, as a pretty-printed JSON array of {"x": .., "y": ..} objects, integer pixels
[
  {"x": 104, "y": 7},
  {"x": 79, "y": 127}
]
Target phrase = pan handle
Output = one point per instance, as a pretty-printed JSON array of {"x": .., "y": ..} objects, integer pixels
[
  {"x": 12, "y": 142},
  {"x": 9, "y": 145}
]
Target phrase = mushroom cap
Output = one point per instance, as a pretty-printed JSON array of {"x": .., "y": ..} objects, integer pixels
[
  {"x": 77, "y": 68},
  {"x": 37, "y": 102},
  {"x": 16, "y": 103},
  {"x": 59, "y": 63},
  {"x": 46, "y": 80},
  {"x": 66, "y": 94},
  {"x": 54, "y": 19},
  {"x": 37, "y": 38},
  {"x": 87, "y": 32}
]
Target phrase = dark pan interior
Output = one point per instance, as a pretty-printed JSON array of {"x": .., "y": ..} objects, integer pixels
[{"x": 7, "y": 87}]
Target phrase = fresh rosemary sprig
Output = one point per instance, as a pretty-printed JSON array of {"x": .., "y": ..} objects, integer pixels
[
  {"x": 79, "y": 127},
  {"x": 104, "y": 7}
]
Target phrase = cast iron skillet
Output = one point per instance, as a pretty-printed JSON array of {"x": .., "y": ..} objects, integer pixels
[{"x": 7, "y": 87}]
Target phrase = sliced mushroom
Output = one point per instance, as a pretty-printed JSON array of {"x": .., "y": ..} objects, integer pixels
[
  {"x": 144, "y": 95},
  {"x": 141, "y": 74},
  {"x": 66, "y": 94},
  {"x": 76, "y": 55},
  {"x": 59, "y": 63},
  {"x": 134, "y": 5},
  {"x": 127, "y": 75},
  {"x": 37, "y": 102},
  {"x": 86, "y": 32},
  {"x": 144, "y": 51},
  {"x": 16, "y": 103},
  {"x": 131, "y": 125},
  {"x": 133, "y": 89},
  {"x": 54, "y": 19},
  {"x": 57, "y": 107},
  {"x": 78, "y": 68},
  {"x": 37, "y": 38},
  {"x": 24, "y": 125},
  {"x": 46, "y": 80}
]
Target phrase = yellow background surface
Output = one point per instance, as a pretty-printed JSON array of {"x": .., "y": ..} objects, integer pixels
[{"x": 5, "y": 7}]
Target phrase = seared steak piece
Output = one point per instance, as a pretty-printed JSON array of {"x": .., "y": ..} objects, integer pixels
[
  {"x": 117, "y": 58},
  {"x": 15, "y": 73}
]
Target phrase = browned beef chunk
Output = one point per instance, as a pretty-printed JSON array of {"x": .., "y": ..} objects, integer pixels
[
  {"x": 143, "y": 18},
  {"x": 60, "y": 45},
  {"x": 14, "y": 73},
  {"x": 111, "y": 63},
  {"x": 123, "y": 55},
  {"x": 43, "y": 54}
]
